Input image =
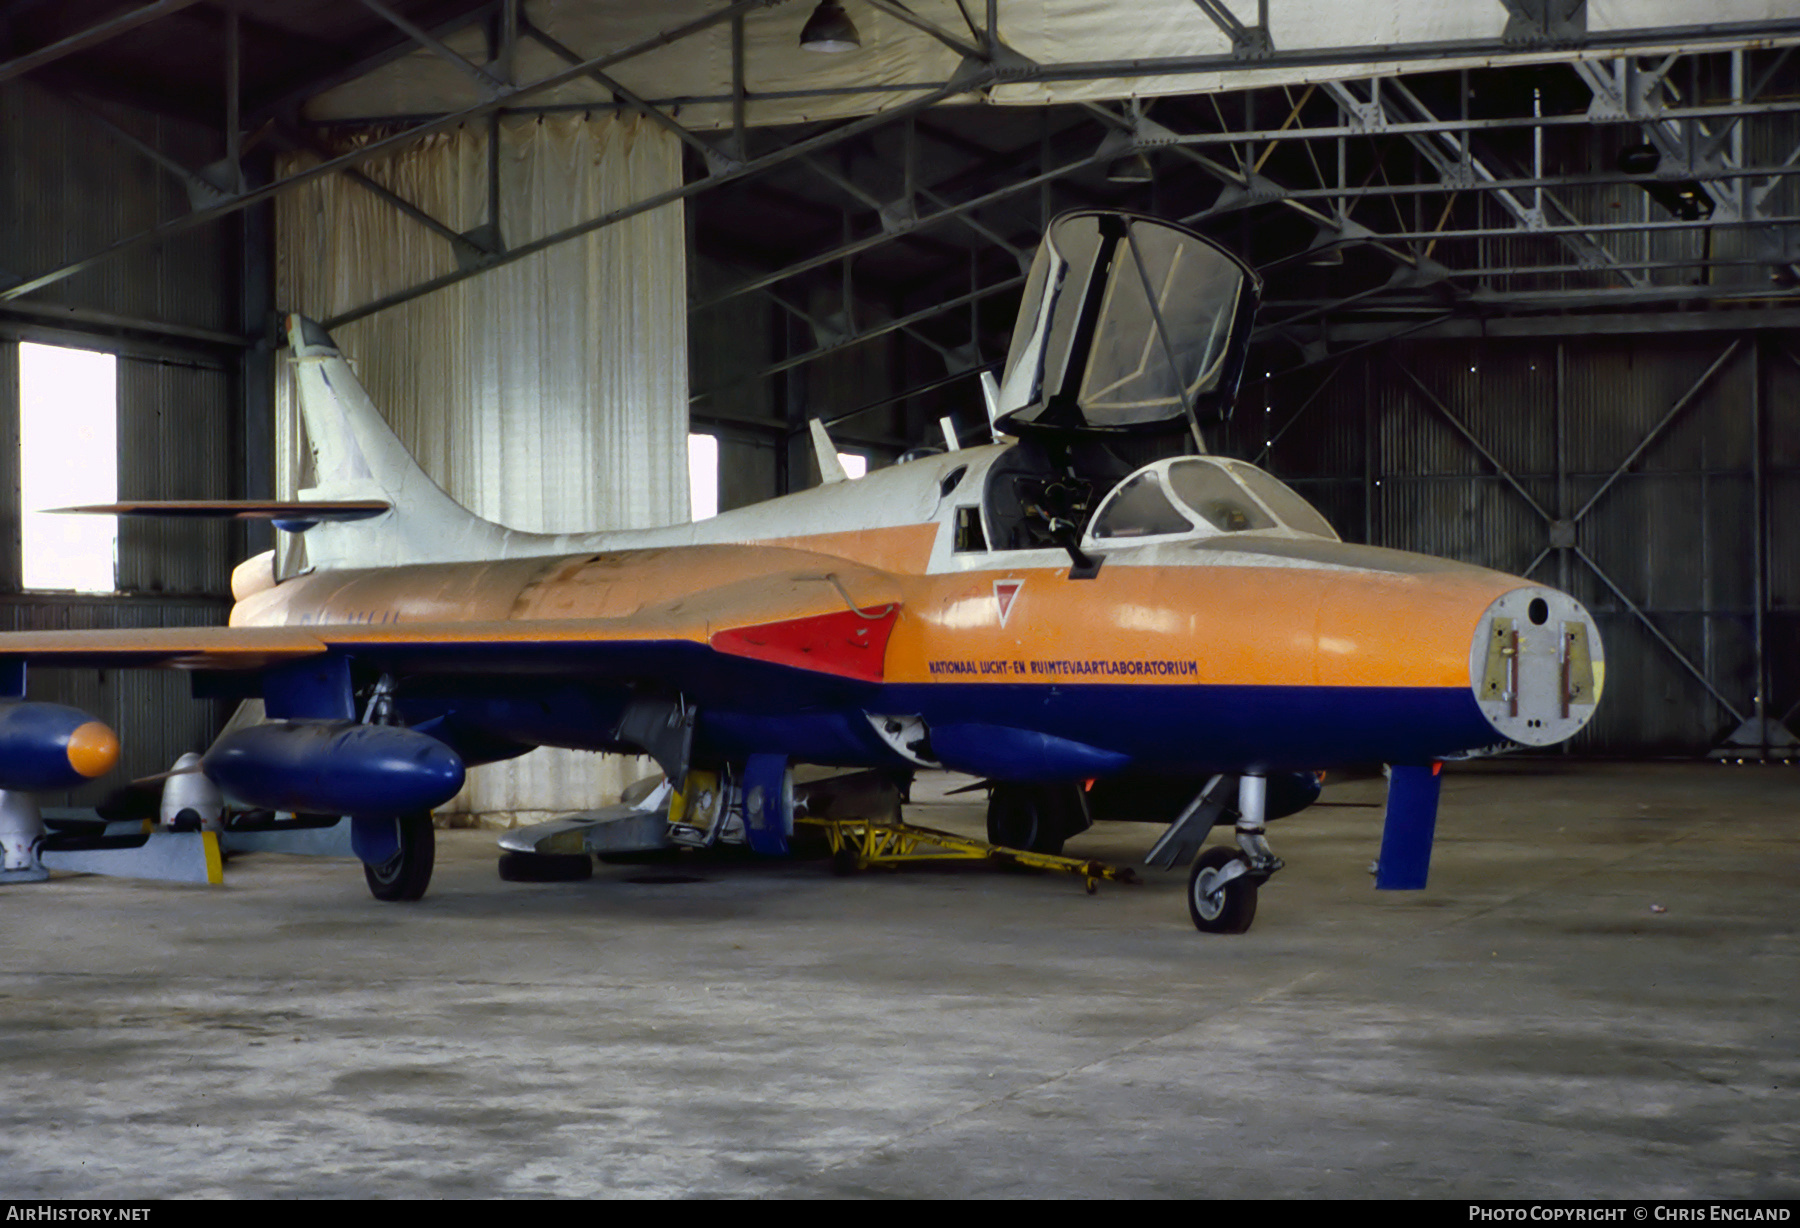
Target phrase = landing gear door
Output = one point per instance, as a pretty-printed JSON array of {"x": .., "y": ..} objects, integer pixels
[{"x": 1128, "y": 324}]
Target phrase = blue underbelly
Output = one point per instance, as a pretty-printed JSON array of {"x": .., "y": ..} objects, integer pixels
[
  {"x": 1213, "y": 728},
  {"x": 1070, "y": 730}
]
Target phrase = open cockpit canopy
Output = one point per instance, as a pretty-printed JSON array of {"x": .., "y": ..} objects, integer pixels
[{"x": 1128, "y": 324}]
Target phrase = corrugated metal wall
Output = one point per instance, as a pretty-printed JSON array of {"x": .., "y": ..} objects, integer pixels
[
  {"x": 70, "y": 189},
  {"x": 73, "y": 188},
  {"x": 760, "y": 417},
  {"x": 178, "y": 439},
  {"x": 1492, "y": 450}
]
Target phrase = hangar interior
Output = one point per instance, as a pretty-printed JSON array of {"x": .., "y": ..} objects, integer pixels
[
  {"x": 1531, "y": 299},
  {"x": 1531, "y": 275}
]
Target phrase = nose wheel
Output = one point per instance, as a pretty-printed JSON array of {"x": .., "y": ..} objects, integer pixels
[{"x": 1222, "y": 892}]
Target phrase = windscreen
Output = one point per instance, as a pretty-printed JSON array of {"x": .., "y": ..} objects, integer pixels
[
  {"x": 1295, "y": 512},
  {"x": 1211, "y": 491},
  {"x": 1139, "y": 509}
]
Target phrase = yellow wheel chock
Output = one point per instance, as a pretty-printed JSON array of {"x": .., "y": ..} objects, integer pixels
[{"x": 858, "y": 844}]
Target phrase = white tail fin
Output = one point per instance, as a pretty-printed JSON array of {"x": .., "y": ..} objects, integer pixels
[{"x": 357, "y": 456}]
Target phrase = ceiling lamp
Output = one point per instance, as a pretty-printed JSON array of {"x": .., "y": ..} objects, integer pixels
[
  {"x": 829, "y": 30},
  {"x": 1125, "y": 162},
  {"x": 1132, "y": 168}
]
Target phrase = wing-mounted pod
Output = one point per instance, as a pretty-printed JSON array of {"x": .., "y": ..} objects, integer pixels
[
  {"x": 1128, "y": 326},
  {"x": 51, "y": 746},
  {"x": 335, "y": 767}
]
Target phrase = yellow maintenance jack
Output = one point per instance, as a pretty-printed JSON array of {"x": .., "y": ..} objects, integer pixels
[{"x": 859, "y": 844}]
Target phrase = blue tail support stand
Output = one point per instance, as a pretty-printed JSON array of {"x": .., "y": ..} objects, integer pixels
[
  {"x": 1412, "y": 806},
  {"x": 767, "y": 817}
]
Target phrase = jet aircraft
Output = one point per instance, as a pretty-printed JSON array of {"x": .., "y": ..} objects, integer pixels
[{"x": 1091, "y": 607}]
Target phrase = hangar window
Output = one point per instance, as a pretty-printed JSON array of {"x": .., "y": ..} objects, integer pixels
[
  {"x": 703, "y": 476},
  {"x": 68, "y": 455},
  {"x": 855, "y": 464}
]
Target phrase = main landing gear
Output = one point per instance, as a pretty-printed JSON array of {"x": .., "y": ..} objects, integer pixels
[
  {"x": 410, "y": 843},
  {"x": 1036, "y": 818}
]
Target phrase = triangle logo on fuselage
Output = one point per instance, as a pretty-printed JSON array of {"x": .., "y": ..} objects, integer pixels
[{"x": 1004, "y": 592}]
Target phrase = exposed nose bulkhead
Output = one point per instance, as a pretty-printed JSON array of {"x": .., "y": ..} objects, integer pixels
[{"x": 1536, "y": 666}]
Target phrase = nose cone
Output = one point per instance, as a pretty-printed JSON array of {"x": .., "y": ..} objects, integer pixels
[
  {"x": 93, "y": 749},
  {"x": 1536, "y": 666}
]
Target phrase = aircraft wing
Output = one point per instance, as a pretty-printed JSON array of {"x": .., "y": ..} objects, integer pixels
[
  {"x": 230, "y": 648},
  {"x": 805, "y": 622}
]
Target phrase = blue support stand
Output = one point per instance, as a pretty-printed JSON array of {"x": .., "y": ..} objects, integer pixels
[
  {"x": 768, "y": 814},
  {"x": 1412, "y": 806}
]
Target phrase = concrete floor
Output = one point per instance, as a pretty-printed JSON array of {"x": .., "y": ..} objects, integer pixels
[{"x": 1529, "y": 1027}]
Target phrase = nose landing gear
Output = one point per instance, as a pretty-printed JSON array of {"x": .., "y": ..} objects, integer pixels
[{"x": 1223, "y": 885}]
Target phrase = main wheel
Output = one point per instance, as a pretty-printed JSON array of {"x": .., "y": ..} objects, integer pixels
[
  {"x": 1023, "y": 817},
  {"x": 1217, "y": 908},
  {"x": 845, "y": 862},
  {"x": 402, "y": 878},
  {"x": 546, "y": 867}
]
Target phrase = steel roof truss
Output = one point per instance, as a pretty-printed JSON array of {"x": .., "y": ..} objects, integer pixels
[{"x": 490, "y": 85}]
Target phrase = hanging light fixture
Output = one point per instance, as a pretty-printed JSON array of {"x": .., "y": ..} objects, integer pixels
[
  {"x": 829, "y": 30},
  {"x": 1125, "y": 162},
  {"x": 1132, "y": 168}
]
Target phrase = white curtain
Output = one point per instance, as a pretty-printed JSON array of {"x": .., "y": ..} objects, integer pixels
[{"x": 549, "y": 394}]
